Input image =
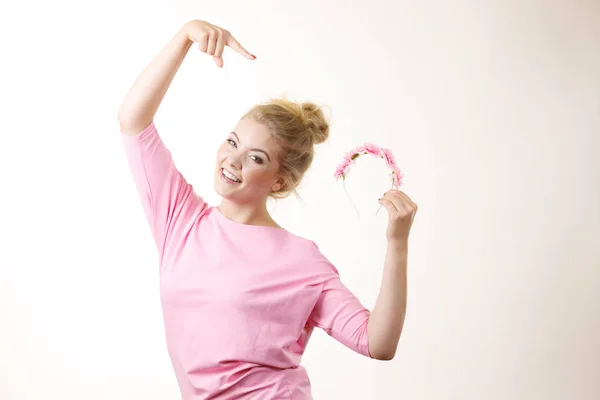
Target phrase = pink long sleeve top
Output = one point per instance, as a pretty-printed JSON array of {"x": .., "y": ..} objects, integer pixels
[{"x": 240, "y": 302}]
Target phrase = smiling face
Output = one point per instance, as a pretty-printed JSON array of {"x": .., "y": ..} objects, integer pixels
[{"x": 247, "y": 169}]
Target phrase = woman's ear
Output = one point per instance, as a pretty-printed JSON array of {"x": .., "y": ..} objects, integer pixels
[{"x": 278, "y": 185}]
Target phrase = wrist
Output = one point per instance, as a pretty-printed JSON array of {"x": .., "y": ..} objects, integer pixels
[
  {"x": 397, "y": 244},
  {"x": 184, "y": 31}
]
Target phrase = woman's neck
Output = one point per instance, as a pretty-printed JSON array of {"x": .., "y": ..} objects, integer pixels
[{"x": 247, "y": 214}]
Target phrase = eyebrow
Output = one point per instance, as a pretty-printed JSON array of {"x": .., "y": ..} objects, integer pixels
[{"x": 254, "y": 149}]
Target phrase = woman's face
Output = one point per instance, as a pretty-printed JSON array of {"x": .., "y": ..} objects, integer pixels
[{"x": 247, "y": 164}]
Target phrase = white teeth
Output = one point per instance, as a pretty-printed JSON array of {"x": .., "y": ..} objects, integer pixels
[{"x": 230, "y": 176}]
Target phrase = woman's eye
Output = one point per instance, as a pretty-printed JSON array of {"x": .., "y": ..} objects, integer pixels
[
  {"x": 258, "y": 160},
  {"x": 231, "y": 142}
]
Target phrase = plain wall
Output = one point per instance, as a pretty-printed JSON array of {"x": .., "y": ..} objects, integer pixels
[{"x": 491, "y": 108}]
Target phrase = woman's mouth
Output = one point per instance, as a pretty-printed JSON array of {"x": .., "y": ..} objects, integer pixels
[{"x": 229, "y": 177}]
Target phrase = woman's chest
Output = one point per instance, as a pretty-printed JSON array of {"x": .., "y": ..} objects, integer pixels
[{"x": 273, "y": 288}]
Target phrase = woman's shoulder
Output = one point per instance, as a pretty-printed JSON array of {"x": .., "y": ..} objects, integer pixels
[{"x": 311, "y": 254}]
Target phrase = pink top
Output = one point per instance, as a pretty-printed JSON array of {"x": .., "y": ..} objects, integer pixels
[{"x": 240, "y": 302}]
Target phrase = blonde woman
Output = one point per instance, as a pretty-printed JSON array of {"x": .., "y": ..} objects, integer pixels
[{"x": 241, "y": 295}]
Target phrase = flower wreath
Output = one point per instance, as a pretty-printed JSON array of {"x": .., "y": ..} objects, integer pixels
[{"x": 376, "y": 151}]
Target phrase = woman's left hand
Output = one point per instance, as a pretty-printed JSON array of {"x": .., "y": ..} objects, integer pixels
[{"x": 401, "y": 210}]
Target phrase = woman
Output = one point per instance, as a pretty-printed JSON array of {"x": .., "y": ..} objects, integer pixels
[{"x": 241, "y": 295}]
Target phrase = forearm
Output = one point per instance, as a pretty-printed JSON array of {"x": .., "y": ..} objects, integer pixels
[
  {"x": 387, "y": 317},
  {"x": 148, "y": 90}
]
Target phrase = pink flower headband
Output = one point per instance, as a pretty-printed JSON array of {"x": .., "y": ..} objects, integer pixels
[
  {"x": 370, "y": 148},
  {"x": 376, "y": 151}
]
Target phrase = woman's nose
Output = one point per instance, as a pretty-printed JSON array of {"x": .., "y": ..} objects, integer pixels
[{"x": 234, "y": 161}]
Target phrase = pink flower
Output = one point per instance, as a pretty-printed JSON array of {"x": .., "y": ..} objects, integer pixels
[
  {"x": 397, "y": 176},
  {"x": 389, "y": 157},
  {"x": 372, "y": 148},
  {"x": 351, "y": 156},
  {"x": 358, "y": 149},
  {"x": 343, "y": 167},
  {"x": 340, "y": 170}
]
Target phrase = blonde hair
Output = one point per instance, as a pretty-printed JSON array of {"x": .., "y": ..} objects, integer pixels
[{"x": 296, "y": 128}]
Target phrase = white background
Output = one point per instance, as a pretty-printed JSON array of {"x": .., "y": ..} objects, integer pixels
[{"x": 491, "y": 108}]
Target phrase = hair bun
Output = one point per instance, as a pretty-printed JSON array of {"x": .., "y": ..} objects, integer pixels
[{"x": 316, "y": 123}]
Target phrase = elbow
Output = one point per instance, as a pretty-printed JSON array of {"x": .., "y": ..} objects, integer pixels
[
  {"x": 129, "y": 119},
  {"x": 382, "y": 354},
  {"x": 378, "y": 350},
  {"x": 388, "y": 356},
  {"x": 383, "y": 351}
]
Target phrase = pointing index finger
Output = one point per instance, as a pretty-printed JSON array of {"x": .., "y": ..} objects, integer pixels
[{"x": 235, "y": 45}]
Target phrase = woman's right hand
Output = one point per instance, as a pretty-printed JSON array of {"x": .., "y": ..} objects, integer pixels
[{"x": 212, "y": 40}]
